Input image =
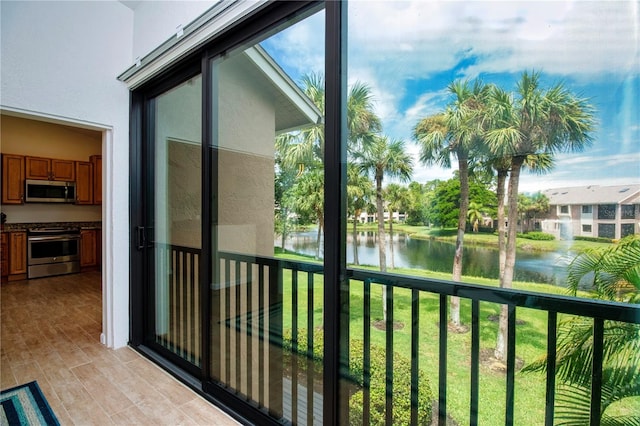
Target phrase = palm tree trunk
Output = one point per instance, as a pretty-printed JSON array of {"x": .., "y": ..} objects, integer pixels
[
  {"x": 320, "y": 226},
  {"x": 382, "y": 238},
  {"x": 506, "y": 279},
  {"x": 355, "y": 238},
  {"x": 391, "y": 238},
  {"x": 463, "y": 168},
  {"x": 382, "y": 241},
  {"x": 284, "y": 228},
  {"x": 502, "y": 248}
]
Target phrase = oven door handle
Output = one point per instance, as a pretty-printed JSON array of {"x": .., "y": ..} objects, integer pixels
[{"x": 54, "y": 238}]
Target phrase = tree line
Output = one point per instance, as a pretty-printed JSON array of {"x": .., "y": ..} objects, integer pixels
[{"x": 486, "y": 131}]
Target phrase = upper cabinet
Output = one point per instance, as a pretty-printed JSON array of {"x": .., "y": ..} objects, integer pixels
[
  {"x": 86, "y": 174},
  {"x": 50, "y": 169},
  {"x": 96, "y": 160},
  {"x": 84, "y": 182},
  {"x": 12, "y": 179}
]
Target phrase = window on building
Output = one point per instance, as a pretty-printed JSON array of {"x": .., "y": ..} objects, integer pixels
[
  {"x": 586, "y": 228},
  {"x": 606, "y": 230},
  {"x": 627, "y": 229},
  {"x": 564, "y": 209},
  {"x": 587, "y": 209},
  {"x": 607, "y": 211},
  {"x": 628, "y": 211}
]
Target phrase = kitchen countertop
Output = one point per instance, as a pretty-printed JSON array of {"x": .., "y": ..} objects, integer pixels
[{"x": 16, "y": 227}]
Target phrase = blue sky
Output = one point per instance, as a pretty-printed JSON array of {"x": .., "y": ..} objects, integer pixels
[{"x": 409, "y": 51}]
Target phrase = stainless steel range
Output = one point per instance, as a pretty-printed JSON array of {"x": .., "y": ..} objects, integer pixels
[{"x": 53, "y": 251}]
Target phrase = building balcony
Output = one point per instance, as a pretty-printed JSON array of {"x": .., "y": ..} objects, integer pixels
[
  {"x": 270, "y": 331},
  {"x": 267, "y": 319}
]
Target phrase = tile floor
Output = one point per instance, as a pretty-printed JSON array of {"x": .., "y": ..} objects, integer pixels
[{"x": 50, "y": 332}]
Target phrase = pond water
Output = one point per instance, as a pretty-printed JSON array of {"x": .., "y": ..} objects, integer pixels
[{"x": 479, "y": 261}]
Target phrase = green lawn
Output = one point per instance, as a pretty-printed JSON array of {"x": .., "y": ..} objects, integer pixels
[
  {"x": 531, "y": 331},
  {"x": 530, "y": 337},
  {"x": 531, "y": 343}
]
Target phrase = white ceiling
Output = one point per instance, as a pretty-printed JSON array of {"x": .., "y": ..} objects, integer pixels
[{"x": 131, "y": 4}]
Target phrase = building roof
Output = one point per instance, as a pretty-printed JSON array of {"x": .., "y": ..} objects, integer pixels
[
  {"x": 292, "y": 107},
  {"x": 594, "y": 194}
]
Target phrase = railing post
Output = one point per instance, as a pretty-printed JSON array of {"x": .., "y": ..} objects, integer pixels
[
  {"x": 596, "y": 371},
  {"x": 442, "y": 370},
  {"x": 275, "y": 342},
  {"x": 551, "y": 367}
]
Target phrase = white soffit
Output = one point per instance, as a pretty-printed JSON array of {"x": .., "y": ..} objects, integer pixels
[
  {"x": 287, "y": 88},
  {"x": 214, "y": 21}
]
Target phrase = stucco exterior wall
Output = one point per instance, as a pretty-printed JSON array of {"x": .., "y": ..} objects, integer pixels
[
  {"x": 156, "y": 21},
  {"x": 60, "y": 61},
  {"x": 246, "y": 168}
]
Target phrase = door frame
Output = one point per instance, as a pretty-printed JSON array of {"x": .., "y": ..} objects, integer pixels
[{"x": 241, "y": 32}]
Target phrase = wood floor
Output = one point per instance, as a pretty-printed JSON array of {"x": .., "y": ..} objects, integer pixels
[{"x": 50, "y": 332}]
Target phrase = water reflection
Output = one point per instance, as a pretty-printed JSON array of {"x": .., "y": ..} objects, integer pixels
[{"x": 479, "y": 261}]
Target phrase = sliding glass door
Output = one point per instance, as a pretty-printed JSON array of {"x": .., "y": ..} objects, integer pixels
[
  {"x": 265, "y": 103},
  {"x": 171, "y": 235},
  {"x": 231, "y": 165}
]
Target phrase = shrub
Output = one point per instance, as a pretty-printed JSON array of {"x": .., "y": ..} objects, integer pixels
[
  {"x": 594, "y": 239},
  {"x": 401, "y": 388},
  {"x": 401, "y": 380},
  {"x": 538, "y": 236}
]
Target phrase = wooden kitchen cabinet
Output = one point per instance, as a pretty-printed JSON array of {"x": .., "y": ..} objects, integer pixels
[
  {"x": 84, "y": 182},
  {"x": 4, "y": 255},
  {"x": 63, "y": 170},
  {"x": 88, "y": 248},
  {"x": 96, "y": 160},
  {"x": 17, "y": 256},
  {"x": 12, "y": 179},
  {"x": 50, "y": 169}
]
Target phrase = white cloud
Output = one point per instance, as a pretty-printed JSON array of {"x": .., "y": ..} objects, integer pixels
[
  {"x": 417, "y": 37},
  {"x": 395, "y": 43}
]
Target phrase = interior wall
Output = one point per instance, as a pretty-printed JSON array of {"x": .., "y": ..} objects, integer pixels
[
  {"x": 38, "y": 138},
  {"x": 60, "y": 61},
  {"x": 41, "y": 139}
]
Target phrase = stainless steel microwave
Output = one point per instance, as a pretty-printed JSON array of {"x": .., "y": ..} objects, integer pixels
[{"x": 49, "y": 191}]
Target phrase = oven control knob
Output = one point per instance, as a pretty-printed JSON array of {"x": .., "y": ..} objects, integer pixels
[{"x": 55, "y": 258}]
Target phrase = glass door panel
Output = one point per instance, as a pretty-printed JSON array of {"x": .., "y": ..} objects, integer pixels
[
  {"x": 268, "y": 175},
  {"x": 175, "y": 219}
]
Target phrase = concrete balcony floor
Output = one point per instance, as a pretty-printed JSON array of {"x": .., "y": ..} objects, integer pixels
[{"x": 50, "y": 332}]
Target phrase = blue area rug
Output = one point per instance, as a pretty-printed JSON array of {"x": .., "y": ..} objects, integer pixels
[{"x": 25, "y": 405}]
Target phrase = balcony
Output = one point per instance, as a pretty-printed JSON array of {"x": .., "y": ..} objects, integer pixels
[
  {"x": 269, "y": 327},
  {"x": 51, "y": 327}
]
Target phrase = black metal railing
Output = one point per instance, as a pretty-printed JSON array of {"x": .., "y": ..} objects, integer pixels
[
  {"x": 276, "y": 369},
  {"x": 177, "y": 296},
  {"x": 599, "y": 311}
]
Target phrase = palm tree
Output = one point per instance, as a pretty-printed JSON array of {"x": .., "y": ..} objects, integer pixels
[
  {"x": 538, "y": 122},
  {"x": 384, "y": 157},
  {"x": 362, "y": 123},
  {"x": 359, "y": 193},
  {"x": 397, "y": 200},
  {"x": 475, "y": 215},
  {"x": 455, "y": 132},
  {"x": 307, "y": 145},
  {"x": 309, "y": 191},
  {"x": 611, "y": 274}
]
